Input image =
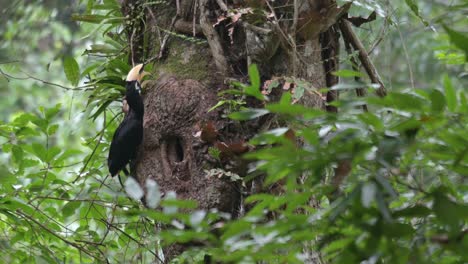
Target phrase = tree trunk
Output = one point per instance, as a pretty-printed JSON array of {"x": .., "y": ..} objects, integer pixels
[{"x": 193, "y": 59}]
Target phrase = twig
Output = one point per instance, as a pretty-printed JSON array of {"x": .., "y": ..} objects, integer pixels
[
  {"x": 178, "y": 7},
  {"x": 249, "y": 26},
  {"x": 260, "y": 30},
  {"x": 360, "y": 92},
  {"x": 380, "y": 37},
  {"x": 9, "y": 76},
  {"x": 194, "y": 19},
  {"x": 166, "y": 37},
  {"x": 350, "y": 36},
  {"x": 130, "y": 237},
  {"x": 446, "y": 239},
  {"x": 94, "y": 150},
  {"x": 293, "y": 36},
  {"x": 408, "y": 61},
  {"x": 131, "y": 46},
  {"x": 213, "y": 39},
  {"x": 70, "y": 243},
  {"x": 277, "y": 26},
  {"x": 73, "y": 200},
  {"x": 9, "y": 62}
]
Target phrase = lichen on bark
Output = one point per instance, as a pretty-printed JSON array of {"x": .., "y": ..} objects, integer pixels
[{"x": 186, "y": 60}]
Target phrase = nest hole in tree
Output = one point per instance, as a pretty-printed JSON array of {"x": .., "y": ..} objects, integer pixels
[{"x": 175, "y": 149}]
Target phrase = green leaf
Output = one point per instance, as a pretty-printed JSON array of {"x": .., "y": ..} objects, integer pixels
[
  {"x": 398, "y": 230},
  {"x": 337, "y": 245},
  {"x": 18, "y": 154},
  {"x": 437, "y": 100},
  {"x": 450, "y": 94},
  {"x": 372, "y": 120},
  {"x": 348, "y": 86},
  {"x": 458, "y": 39},
  {"x": 70, "y": 208},
  {"x": 254, "y": 88},
  {"x": 413, "y": 211},
  {"x": 406, "y": 101},
  {"x": 298, "y": 92},
  {"x": 368, "y": 194},
  {"x": 249, "y": 114},
  {"x": 72, "y": 70},
  {"x": 447, "y": 211},
  {"x": 197, "y": 217},
  {"x": 342, "y": 204},
  {"x": 254, "y": 76},
  {"x": 414, "y": 7},
  {"x": 270, "y": 137},
  {"x": 41, "y": 123},
  {"x": 40, "y": 151},
  {"x": 52, "y": 112},
  {"x": 52, "y": 129},
  {"x": 273, "y": 84},
  {"x": 96, "y": 19},
  {"x": 153, "y": 195},
  {"x": 133, "y": 188},
  {"x": 348, "y": 73},
  {"x": 383, "y": 181},
  {"x": 100, "y": 49},
  {"x": 220, "y": 103},
  {"x": 52, "y": 153},
  {"x": 383, "y": 207}
]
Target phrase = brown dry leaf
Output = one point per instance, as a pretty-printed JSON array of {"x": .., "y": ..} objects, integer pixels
[
  {"x": 290, "y": 135},
  {"x": 221, "y": 146},
  {"x": 341, "y": 171},
  {"x": 209, "y": 133},
  {"x": 239, "y": 147},
  {"x": 230, "y": 149}
]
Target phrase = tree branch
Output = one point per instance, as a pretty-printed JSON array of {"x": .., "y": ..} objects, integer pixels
[
  {"x": 350, "y": 36},
  {"x": 8, "y": 77},
  {"x": 213, "y": 39},
  {"x": 361, "y": 92}
]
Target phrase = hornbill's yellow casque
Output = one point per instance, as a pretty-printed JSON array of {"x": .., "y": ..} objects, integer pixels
[{"x": 129, "y": 134}]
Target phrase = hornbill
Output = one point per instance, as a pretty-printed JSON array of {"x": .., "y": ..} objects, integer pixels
[{"x": 128, "y": 136}]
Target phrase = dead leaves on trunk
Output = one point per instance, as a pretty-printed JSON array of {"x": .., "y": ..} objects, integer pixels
[{"x": 296, "y": 86}]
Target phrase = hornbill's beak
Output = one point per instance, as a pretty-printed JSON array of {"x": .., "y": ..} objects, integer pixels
[{"x": 136, "y": 73}]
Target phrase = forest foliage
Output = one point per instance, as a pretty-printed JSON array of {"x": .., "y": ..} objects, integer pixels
[{"x": 403, "y": 199}]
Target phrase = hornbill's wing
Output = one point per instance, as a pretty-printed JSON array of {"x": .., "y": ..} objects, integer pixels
[{"x": 124, "y": 144}]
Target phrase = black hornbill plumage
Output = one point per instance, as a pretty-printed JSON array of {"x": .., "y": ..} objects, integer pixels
[{"x": 128, "y": 136}]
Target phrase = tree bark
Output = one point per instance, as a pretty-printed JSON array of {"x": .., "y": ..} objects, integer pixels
[{"x": 193, "y": 59}]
